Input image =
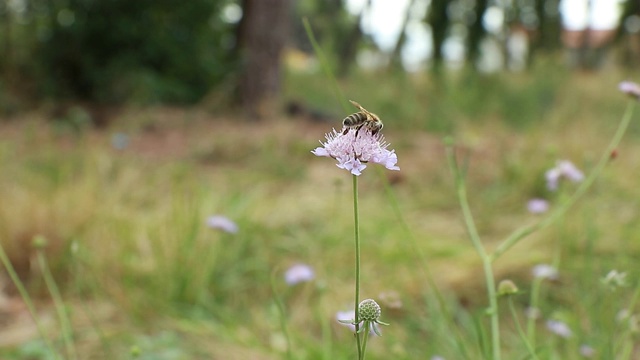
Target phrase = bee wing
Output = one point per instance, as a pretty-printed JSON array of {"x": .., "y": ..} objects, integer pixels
[
  {"x": 358, "y": 106},
  {"x": 370, "y": 115}
]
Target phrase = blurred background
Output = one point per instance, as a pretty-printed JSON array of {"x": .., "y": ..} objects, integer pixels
[
  {"x": 235, "y": 53},
  {"x": 159, "y": 151}
]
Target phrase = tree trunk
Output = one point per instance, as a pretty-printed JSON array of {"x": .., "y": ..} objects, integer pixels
[
  {"x": 476, "y": 34},
  {"x": 439, "y": 21},
  {"x": 262, "y": 35},
  {"x": 396, "y": 54},
  {"x": 349, "y": 47}
]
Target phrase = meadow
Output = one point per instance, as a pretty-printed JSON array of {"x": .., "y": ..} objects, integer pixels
[{"x": 108, "y": 228}]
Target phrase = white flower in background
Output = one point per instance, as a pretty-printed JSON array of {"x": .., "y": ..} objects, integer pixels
[
  {"x": 559, "y": 328},
  {"x": 630, "y": 88},
  {"x": 615, "y": 279},
  {"x": 298, "y": 273},
  {"x": 545, "y": 271},
  {"x": 223, "y": 223}
]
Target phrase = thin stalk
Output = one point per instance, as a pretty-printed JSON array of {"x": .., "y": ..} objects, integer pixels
[
  {"x": 523, "y": 232},
  {"x": 477, "y": 244},
  {"x": 626, "y": 339},
  {"x": 26, "y": 298},
  {"x": 365, "y": 336},
  {"x": 523, "y": 336},
  {"x": 281, "y": 313},
  {"x": 444, "y": 307},
  {"x": 356, "y": 221},
  {"x": 533, "y": 306},
  {"x": 325, "y": 64},
  {"x": 63, "y": 316}
]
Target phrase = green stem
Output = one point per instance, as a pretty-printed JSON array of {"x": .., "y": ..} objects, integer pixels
[
  {"x": 365, "y": 335},
  {"x": 523, "y": 336},
  {"x": 324, "y": 63},
  {"x": 626, "y": 338},
  {"x": 477, "y": 243},
  {"x": 63, "y": 316},
  {"x": 26, "y": 298},
  {"x": 356, "y": 220},
  {"x": 448, "y": 313},
  {"x": 533, "y": 307},
  {"x": 281, "y": 312},
  {"x": 523, "y": 232}
]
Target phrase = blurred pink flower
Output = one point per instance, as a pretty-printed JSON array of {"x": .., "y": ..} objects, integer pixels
[
  {"x": 559, "y": 328},
  {"x": 298, "y": 273},
  {"x": 563, "y": 168},
  {"x": 353, "y": 152},
  {"x": 630, "y": 88},
  {"x": 537, "y": 206},
  {"x": 222, "y": 223}
]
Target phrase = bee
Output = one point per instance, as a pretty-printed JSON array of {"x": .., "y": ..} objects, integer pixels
[{"x": 362, "y": 118}]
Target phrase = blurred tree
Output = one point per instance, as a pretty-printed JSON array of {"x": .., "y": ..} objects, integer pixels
[
  {"x": 120, "y": 50},
  {"x": 547, "y": 28},
  {"x": 348, "y": 49},
  {"x": 476, "y": 32},
  {"x": 396, "y": 54},
  {"x": 438, "y": 19},
  {"x": 262, "y": 35}
]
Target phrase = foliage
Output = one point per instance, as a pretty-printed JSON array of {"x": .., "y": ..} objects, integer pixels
[{"x": 118, "y": 51}]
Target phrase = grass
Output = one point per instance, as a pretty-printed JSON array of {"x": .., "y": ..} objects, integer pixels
[{"x": 143, "y": 277}]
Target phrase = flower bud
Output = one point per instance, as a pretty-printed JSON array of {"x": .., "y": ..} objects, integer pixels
[
  {"x": 369, "y": 310},
  {"x": 507, "y": 287}
]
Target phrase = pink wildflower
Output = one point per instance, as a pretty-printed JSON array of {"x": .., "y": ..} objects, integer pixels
[
  {"x": 630, "y": 88},
  {"x": 564, "y": 168},
  {"x": 222, "y": 223},
  {"x": 559, "y": 328},
  {"x": 353, "y": 152},
  {"x": 298, "y": 273},
  {"x": 537, "y": 206}
]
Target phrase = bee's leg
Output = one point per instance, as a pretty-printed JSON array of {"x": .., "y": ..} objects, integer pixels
[
  {"x": 346, "y": 130},
  {"x": 358, "y": 129}
]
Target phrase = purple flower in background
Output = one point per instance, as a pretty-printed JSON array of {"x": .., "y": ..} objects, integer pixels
[
  {"x": 537, "y": 206},
  {"x": 630, "y": 88},
  {"x": 353, "y": 152},
  {"x": 566, "y": 169},
  {"x": 298, "y": 273},
  {"x": 559, "y": 328},
  {"x": 222, "y": 223}
]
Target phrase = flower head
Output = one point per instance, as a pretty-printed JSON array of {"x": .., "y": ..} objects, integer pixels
[
  {"x": 353, "y": 151},
  {"x": 368, "y": 314},
  {"x": 559, "y": 328},
  {"x": 298, "y": 273},
  {"x": 222, "y": 223},
  {"x": 545, "y": 271},
  {"x": 630, "y": 88},
  {"x": 537, "y": 206},
  {"x": 507, "y": 287},
  {"x": 563, "y": 168},
  {"x": 615, "y": 279}
]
